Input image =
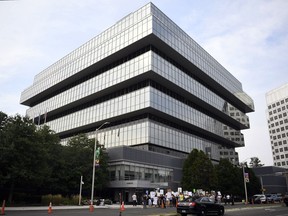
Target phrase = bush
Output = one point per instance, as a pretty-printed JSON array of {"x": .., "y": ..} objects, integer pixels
[
  {"x": 46, "y": 199},
  {"x": 59, "y": 200},
  {"x": 25, "y": 199},
  {"x": 75, "y": 200}
]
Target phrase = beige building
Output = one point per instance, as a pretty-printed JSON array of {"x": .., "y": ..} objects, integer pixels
[{"x": 277, "y": 103}]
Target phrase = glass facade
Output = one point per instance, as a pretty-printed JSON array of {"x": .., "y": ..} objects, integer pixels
[
  {"x": 160, "y": 91},
  {"x": 148, "y": 131},
  {"x": 132, "y": 171},
  {"x": 125, "y": 32},
  {"x": 175, "y": 37}
]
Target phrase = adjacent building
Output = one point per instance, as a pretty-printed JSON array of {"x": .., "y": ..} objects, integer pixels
[
  {"x": 161, "y": 92},
  {"x": 277, "y": 103},
  {"x": 273, "y": 179}
]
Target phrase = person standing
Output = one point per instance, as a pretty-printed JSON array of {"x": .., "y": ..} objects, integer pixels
[
  {"x": 144, "y": 201},
  {"x": 219, "y": 197},
  {"x": 181, "y": 197},
  {"x": 134, "y": 199}
]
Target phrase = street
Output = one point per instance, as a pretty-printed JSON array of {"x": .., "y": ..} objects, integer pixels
[
  {"x": 269, "y": 211},
  {"x": 241, "y": 210}
]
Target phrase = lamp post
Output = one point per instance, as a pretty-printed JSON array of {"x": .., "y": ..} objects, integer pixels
[
  {"x": 80, "y": 192},
  {"x": 244, "y": 178},
  {"x": 261, "y": 182},
  {"x": 94, "y": 158},
  {"x": 245, "y": 186}
]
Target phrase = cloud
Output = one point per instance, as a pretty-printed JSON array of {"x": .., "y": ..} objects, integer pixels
[{"x": 237, "y": 33}]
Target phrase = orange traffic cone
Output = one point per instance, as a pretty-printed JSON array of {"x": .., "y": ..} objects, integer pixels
[
  {"x": 122, "y": 208},
  {"x": 91, "y": 208},
  {"x": 50, "y": 208},
  {"x": 3, "y": 208}
]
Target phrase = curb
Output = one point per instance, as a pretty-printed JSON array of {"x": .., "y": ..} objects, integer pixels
[{"x": 39, "y": 208}]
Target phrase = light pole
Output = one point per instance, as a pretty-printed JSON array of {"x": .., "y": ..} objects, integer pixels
[
  {"x": 245, "y": 179},
  {"x": 94, "y": 158},
  {"x": 80, "y": 192},
  {"x": 261, "y": 182},
  {"x": 245, "y": 182}
]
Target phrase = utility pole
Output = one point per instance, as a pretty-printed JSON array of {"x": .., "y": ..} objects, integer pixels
[{"x": 94, "y": 158}]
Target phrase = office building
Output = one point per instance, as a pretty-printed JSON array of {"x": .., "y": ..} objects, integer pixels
[
  {"x": 277, "y": 104},
  {"x": 273, "y": 179},
  {"x": 162, "y": 93}
]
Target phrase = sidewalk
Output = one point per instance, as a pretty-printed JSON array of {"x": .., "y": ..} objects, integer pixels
[
  {"x": 37, "y": 208},
  {"x": 228, "y": 208},
  {"x": 242, "y": 206}
]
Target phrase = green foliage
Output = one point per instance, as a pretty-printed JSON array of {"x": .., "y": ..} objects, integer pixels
[
  {"x": 78, "y": 159},
  {"x": 34, "y": 162},
  {"x": 58, "y": 199},
  {"x": 74, "y": 200},
  {"x": 254, "y": 185},
  {"x": 101, "y": 172},
  {"x": 230, "y": 179},
  {"x": 198, "y": 172},
  {"x": 255, "y": 162},
  {"x": 187, "y": 182},
  {"x": 46, "y": 199},
  {"x": 21, "y": 158}
]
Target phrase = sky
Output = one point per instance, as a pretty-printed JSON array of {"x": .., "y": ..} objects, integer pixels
[{"x": 248, "y": 37}]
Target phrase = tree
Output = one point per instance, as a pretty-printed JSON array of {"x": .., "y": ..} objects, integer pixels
[
  {"x": 254, "y": 185},
  {"x": 3, "y": 118},
  {"x": 198, "y": 172},
  {"x": 255, "y": 162},
  {"x": 3, "y": 150},
  {"x": 29, "y": 156},
  {"x": 21, "y": 156},
  {"x": 102, "y": 172},
  {"x": 203, "y": 175},
  {"x": 187, "y": 171},
  {"x": 228, "y": 177},
  {"x": 52, "y": 157},
  {"x": 34, "y": 162},
  {"x": 78, "y": 154}
]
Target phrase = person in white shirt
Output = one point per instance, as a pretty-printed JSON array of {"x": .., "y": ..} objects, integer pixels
[{"x": 134, "y": 199}]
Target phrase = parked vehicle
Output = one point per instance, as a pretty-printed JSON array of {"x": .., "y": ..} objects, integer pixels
[
  {"x": 200, "y": 206},
  {"x": 272, "y": 198},
  {"x": 258, "y": 199}
]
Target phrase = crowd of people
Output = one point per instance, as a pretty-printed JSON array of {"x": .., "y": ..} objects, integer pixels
[
  {"x": 170, "y": 199},
  {"x": 156, "y": 199}
]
